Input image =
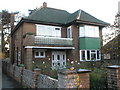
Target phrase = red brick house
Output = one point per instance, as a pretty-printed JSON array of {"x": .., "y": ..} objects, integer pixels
[{"x": 54, "y": 36}]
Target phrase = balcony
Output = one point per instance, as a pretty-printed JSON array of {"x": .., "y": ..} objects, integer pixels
[{"x": 54, "y": 41}]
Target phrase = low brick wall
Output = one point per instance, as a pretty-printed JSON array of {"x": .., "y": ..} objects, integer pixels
[
  {"x": 34, "y": 79},
  {"x": 28, "y": 78},
  {"x": 46, "y": 82},
  {"x": 18, "y": 73},
  {"x": 74, "y": 79}
]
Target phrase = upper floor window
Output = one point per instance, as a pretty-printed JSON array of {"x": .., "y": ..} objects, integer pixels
[
  {"x": 69, "y": 32},
  {"x": 49, "y": 31},
  {"x": 88, "y": 31}
]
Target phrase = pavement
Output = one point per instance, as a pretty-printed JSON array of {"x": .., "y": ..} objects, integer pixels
[{"x": 8, "y": 82}]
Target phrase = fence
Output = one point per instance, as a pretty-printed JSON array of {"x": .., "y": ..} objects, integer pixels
[{"x": 34, "y": 79}]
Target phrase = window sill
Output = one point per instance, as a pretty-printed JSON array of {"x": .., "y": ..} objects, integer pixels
[
  {"x": 39, "y": 57},
  {"x": 89, "y": 60}
]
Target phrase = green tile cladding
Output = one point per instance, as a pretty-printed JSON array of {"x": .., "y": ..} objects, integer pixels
[{"x": 89, "y": 43}]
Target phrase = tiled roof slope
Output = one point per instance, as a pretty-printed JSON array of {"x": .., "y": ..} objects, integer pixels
[
  {"x": 49, "y": 15},
  {"x": 52, "y": 15}
]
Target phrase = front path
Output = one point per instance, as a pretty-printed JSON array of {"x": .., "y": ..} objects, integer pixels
[{"x": 8, "y": 82}]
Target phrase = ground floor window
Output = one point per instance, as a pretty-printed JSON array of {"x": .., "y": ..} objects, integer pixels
[
  {"x": 39, "y": 54},
  {"x": 89, "y": 55}
]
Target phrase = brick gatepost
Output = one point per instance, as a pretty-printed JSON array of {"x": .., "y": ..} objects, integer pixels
[
  {"x": 74, "y": 79},
  {"x": 29, "y": 57},
  {"x": 113, "y": 77}
]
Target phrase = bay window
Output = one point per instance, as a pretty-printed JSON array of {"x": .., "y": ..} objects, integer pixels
[
  {"x": 88, "y": 31},
  {"x": 89, "y": 55}
]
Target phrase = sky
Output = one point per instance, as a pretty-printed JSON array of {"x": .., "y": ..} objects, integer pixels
[{"x": 102, "y": 9}]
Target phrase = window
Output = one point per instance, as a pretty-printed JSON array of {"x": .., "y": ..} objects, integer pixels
[
  {"x": 83, "y": 55},
  {"x": 89, "y": 55},
  {"x": 58, "y": 57},
  {"x": 88, "y": 31},
  {"x": 63, "y": 57},
  {"x": 39, "y": 54},
  {"x": 48, "y": 31},
  {"x": 69, "y": 32}
]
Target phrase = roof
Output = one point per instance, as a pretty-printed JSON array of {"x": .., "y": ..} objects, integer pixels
[
  {"x": 52, "y": 15},
  {"x": 49, "y": 15}
]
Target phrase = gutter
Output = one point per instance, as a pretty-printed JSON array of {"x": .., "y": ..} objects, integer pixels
[{"x": 35, "y": 22}]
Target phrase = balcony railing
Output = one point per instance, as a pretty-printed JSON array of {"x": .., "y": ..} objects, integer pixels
[{"x": 53, "y": 41}]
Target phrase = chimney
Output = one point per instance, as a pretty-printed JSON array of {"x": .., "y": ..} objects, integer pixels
[{"x": 44, "y": 4}]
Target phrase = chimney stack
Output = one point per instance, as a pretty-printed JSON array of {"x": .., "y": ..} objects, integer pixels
[{"x": 44, "y": 4}]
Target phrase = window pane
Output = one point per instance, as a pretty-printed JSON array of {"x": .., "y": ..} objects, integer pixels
[
  {"x": 57, "y": 28},
  {"x": 92, "y": 50},
  {"x": 53, "y": 57},
  {"x": 63, "y": 63},
  {"x": 83, "y": 55},
  {"x": 63, "y": 57},
  {"x": 81, "y": 32},
  {"x": 53, "y": 64},
  {"x": 58, "y": 57},
  {"x": 93, "y": 56},
  {"x": 88, "y": 55},
  {"x": 98, "y": 56},
  {"x": 58, "y": 64},
  {"x": 37, "y": 54},
  {"x": 41, "y": 53}
]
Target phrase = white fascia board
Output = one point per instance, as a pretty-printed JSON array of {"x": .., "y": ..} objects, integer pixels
[{"x": 49, "y": 47}]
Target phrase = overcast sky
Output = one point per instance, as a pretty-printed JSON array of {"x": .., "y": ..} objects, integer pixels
[{"x": 101, "y": 9}]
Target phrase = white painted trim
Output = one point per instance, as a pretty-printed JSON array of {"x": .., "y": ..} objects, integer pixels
[
  {"x": 49, "y": 47},
  {"x": 39, "y": 54},
  {"x": 90, "y": 55}
]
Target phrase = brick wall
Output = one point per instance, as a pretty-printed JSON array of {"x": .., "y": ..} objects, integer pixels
[
  {"x": 74, "y": 79},
  {"x": 113, "y": 77},
  {"x": 46, "y": 82},
  {"x": 28, "y": 78},
  {"x": 66, "y": 79}
]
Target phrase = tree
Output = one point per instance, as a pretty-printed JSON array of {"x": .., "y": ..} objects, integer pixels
[{"x": 113, "y": 45}]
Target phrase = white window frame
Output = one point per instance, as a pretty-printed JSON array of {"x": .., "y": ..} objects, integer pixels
[
  {"x": 69, "y": 32},
  {"x": 39, "y": 54},
  {"x": 90, "y": 55},
  {"x": 48, "y": 31},
  {"x": 88, "y": 31}
]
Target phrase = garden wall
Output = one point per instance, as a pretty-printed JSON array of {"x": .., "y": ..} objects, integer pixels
[
  {"x": 28, "y": 78},
  {"x": 34, "y": 79}
]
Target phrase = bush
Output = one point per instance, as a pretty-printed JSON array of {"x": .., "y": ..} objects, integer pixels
[{"x": 98, "y": 77}]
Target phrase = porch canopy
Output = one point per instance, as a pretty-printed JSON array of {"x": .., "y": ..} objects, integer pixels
[{"x": 49, "y": 47}]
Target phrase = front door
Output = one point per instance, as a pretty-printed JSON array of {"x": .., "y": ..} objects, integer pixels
[{"x": 58, "y": 59}]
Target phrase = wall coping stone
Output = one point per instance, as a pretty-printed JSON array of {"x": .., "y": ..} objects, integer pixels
[
  {"x": 67, "y": 71},
  {"x": 113, "y": 67},
  {"x": 83, "y": 71}
]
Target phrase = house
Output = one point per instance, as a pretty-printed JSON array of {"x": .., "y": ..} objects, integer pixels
[
  {"x": 55, "y": 36},
  {"x": 111, "y": 51}
]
